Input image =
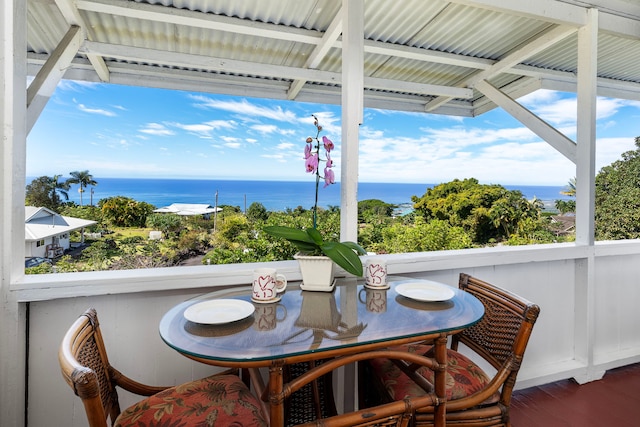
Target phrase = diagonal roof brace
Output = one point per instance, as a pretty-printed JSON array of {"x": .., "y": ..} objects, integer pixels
[
  {"x": 72, "y": 16},
  {"x": 542, "y": 42},
  {"x": 551, "y": 135},
  {"x": 45, "y": 82},
  {"x": 319, "y": 52}
]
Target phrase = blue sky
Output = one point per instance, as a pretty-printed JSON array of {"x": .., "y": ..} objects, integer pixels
[{"x": 132, "y": 132}]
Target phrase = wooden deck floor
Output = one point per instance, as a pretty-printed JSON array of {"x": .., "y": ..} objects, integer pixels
[{"x": 613, "y": 401}]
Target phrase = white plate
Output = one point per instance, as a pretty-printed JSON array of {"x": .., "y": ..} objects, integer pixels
[
  {"x": 425, "y": 290},
  {"x": 219, "y": 311}
]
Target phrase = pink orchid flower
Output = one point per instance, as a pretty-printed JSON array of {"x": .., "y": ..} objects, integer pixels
[
  {"x": 312, "y": 163},
  {"x": 329, "y": 161},
  {"x": 328, "y": 144},
  {"x": 329, "y": 177},
  {"x": 307, "y": 151}
]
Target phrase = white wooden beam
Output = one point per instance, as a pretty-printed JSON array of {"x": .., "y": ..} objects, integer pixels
[
  {"x": 72, "y": 16},
  {"x": 524, "y": 52},
  {"x": 538, "y": 126},
  {"x": 209, "y": 21},
  {"x": 45, "y": 82},
  {"x": 319, "y": 52},
  {"x": 13, "y": 333},
  {"x": 616, "y": 16},
  {"x": 586, "y": 130},
  {"x": 528, "y": 50},
  {"x": 352, "y": 114},
  {"x": 250, "y": 68},
  {"x": 585, "y": 287},
  {"x": 514, "y": 90}
]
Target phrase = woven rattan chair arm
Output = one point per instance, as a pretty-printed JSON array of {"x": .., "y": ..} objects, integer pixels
[
  {"x": 483, "y": 395},
  {"x": 134, "y": 386}
]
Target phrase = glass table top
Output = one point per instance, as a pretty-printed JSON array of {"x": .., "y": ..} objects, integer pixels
[{"x": 304, "y": 322}]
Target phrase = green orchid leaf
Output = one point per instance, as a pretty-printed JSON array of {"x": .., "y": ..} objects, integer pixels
[
  {"x": 291, "y": 234},
  {"x": 305, "y": 247},
  {"x": 315, "y": 235},
  {"x": 344, "y": 256},
  {"x": 356, "y": 247}
]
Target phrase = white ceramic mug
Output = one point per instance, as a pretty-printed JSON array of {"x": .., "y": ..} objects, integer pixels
[
  {"x": 375, "y": 272},
  {"x": 267, "y": 284}
]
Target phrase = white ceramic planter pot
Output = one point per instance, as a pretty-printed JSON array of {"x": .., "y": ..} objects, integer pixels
[{"x": 317, "y": 273}]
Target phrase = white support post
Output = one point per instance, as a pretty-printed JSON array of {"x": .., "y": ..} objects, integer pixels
[
  {"x": 352, "y": 113},
  {"x": 13, "y": 62},
  {"x": 585, "y": 196},
  {"x": 586, "y": 130}
]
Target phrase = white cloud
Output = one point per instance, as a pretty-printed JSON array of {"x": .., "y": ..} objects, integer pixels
[
  {"x": 204, "y": 130},
  {"x": 99, "y": 111},
  {"x": 157, "y": 129},
  {"x": 246, "y": 108},
  {"x": 285, "y": 146},
  {"x": 265, "y": 129},
  {"x": 562, "y": 111}
]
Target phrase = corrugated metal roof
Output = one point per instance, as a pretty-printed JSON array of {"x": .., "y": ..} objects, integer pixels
[{"x": 186, "y": 44}]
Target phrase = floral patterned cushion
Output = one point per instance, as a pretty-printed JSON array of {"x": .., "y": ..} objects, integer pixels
[
  {"x": 463, "y": 376},
  {"x": 219, "y": 400}
]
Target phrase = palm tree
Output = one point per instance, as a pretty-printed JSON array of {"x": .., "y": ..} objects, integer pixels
[
  {"x": 43, "y": 192},
  {"x": 571, "y": 188},
  {"x": 56, "y": 187},
  {"x": 84, "y": 178}
]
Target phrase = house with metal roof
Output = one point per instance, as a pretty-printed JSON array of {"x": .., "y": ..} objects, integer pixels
[
  {"x": 189, "y": 209},
  {"x": 47, "y": 233}
]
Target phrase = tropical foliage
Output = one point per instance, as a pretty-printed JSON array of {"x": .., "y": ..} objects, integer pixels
[
  {"x": 488, "y": 213},
  {"x": 455, "y": 215},
  {"x": 47, "y": 192},
  {"x": 125, "y": 212},
  {"x": 84, "y": 178},
  {"x": 617, "y": 213}
]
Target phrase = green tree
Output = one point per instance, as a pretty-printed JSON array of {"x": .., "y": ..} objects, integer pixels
[
  {"x": 565, "y": 206},
  {"x": 84, "y": 178},
  {"x": 617, "y": 213},
  {"x": 125, "y": 212},
  {"x": 92, "y": 213},
  {"x": 47, "y": 192},
  {"x": 169, "y": 224},
  {"x": 435, "y": 235},
  {"x": 486, "y": 212},
  {"x": 257, "y": 211},
  {"x": 370, "y": 209}
]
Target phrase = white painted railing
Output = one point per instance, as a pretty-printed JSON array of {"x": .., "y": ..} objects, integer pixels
[{"x": 586, "y": 326}]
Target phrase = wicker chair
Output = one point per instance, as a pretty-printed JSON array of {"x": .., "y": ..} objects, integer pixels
[
  {"x": 221, "y": 400},
  {"x": 473, "y": 399},
  {"x": 391, "y": 414}
]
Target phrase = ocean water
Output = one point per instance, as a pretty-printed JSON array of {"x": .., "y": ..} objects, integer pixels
[{"x": 274, "y": 195}]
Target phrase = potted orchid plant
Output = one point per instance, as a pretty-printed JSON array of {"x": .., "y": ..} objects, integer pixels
[{"x": 310, "y": 242}]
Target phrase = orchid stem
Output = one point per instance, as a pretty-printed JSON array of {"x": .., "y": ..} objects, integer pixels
[{"x": 315, "y": 205}]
